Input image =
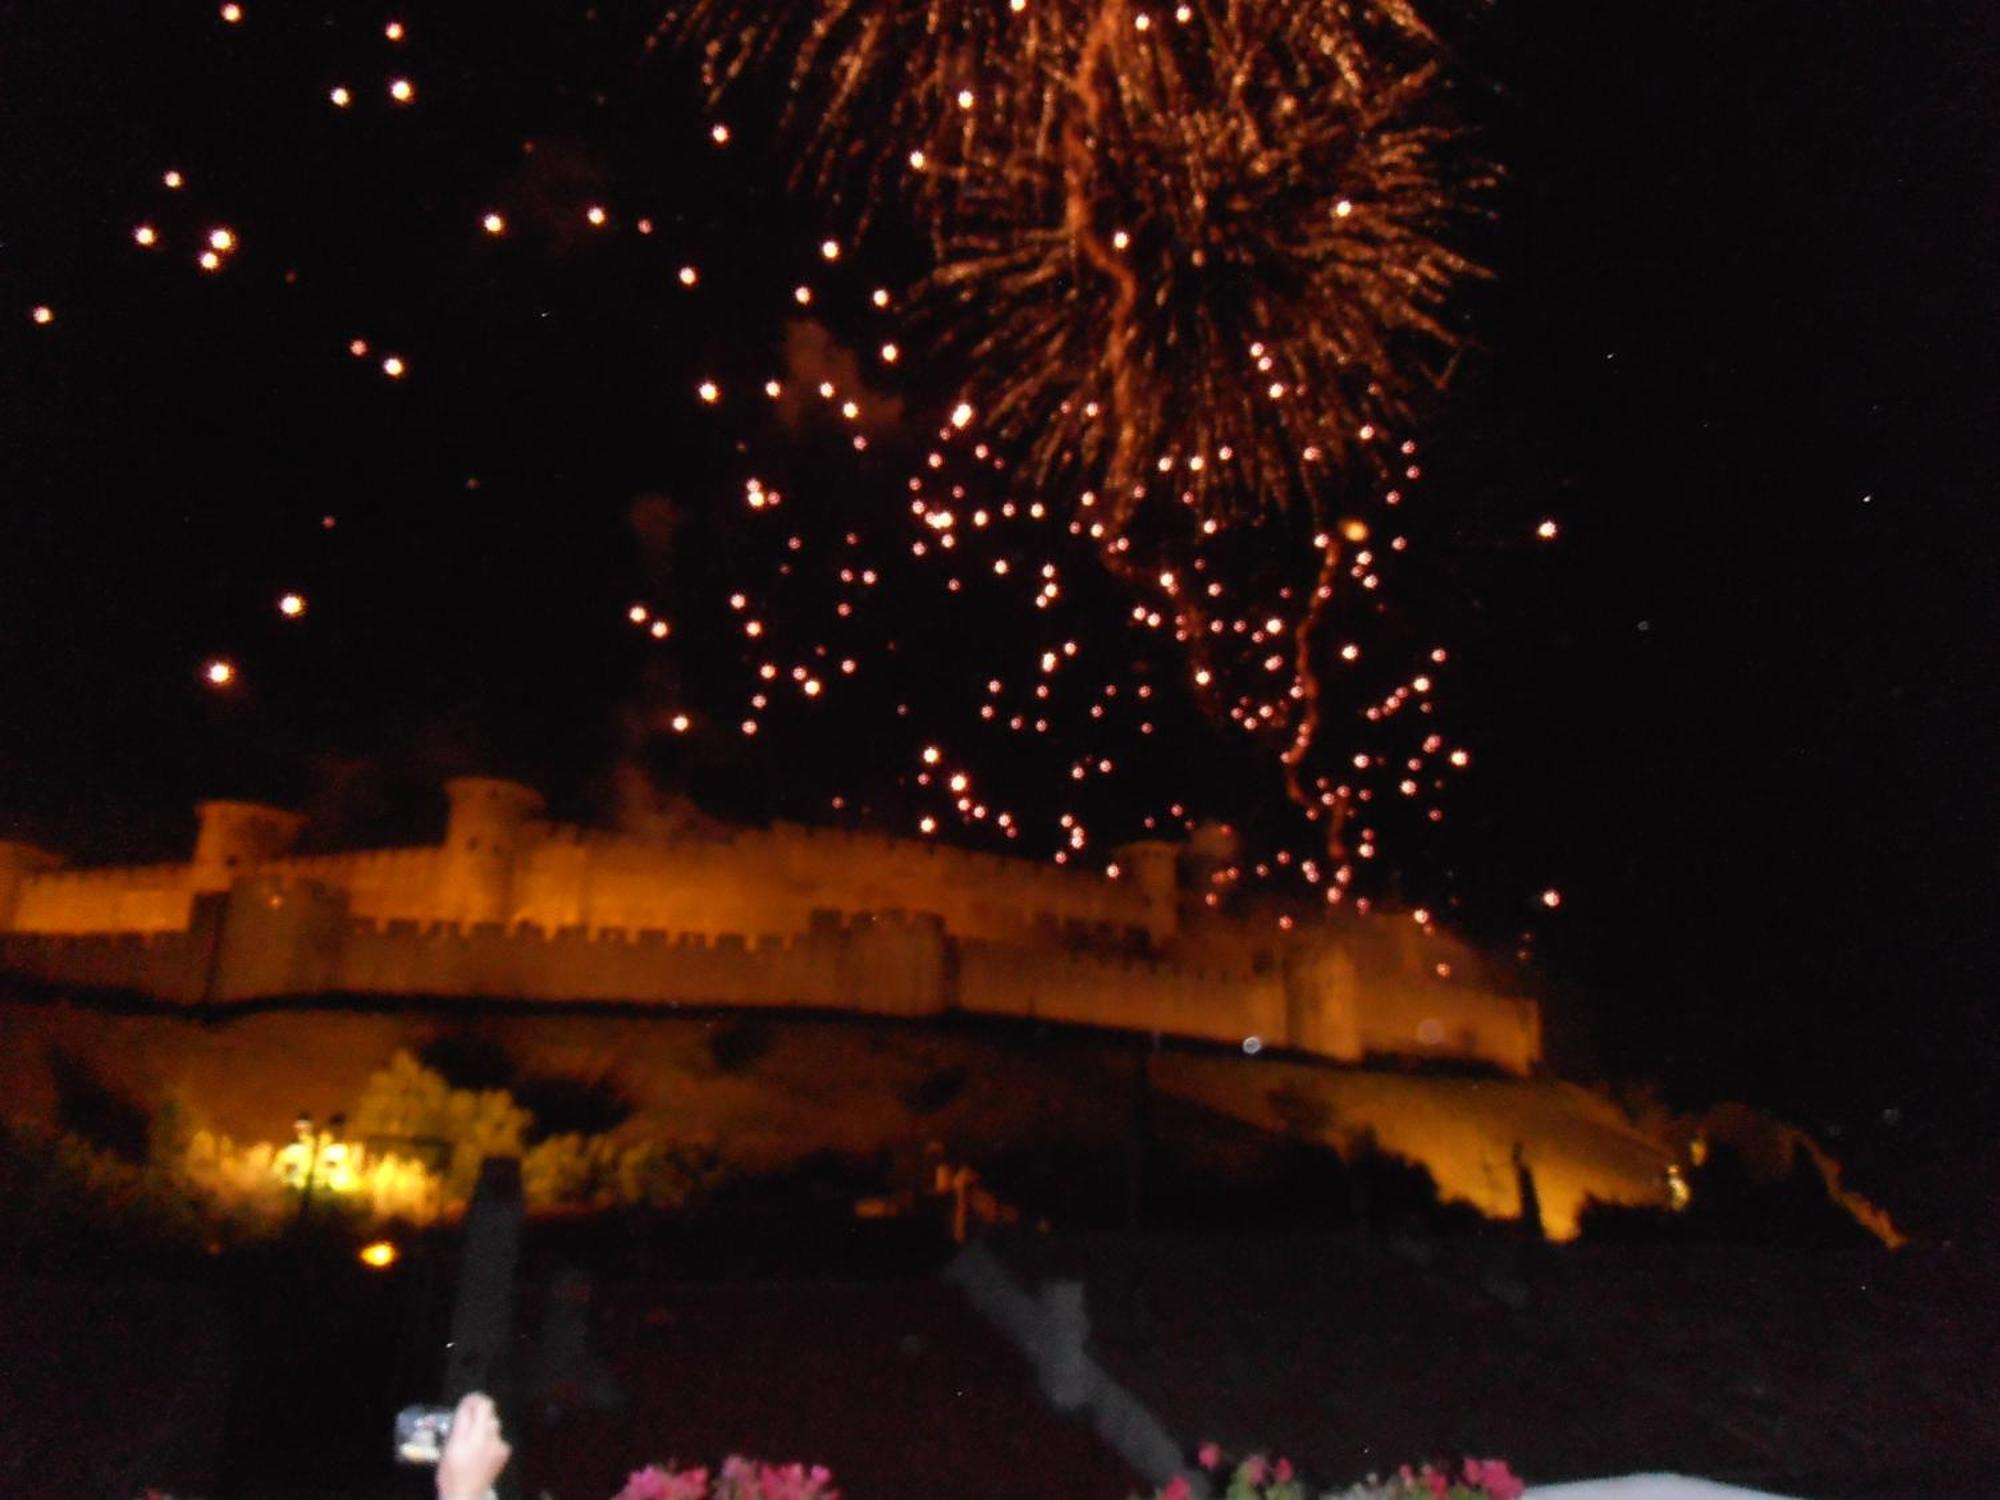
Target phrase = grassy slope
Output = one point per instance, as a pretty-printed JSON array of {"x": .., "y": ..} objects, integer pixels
[{"x": 862, "y": 1087}]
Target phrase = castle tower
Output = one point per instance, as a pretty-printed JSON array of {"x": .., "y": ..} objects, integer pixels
[
  {"x": 490, "y": 827},
  {"x": 235, "y": 837},
  {"x": 1154, "y": 866},
  {"x": 17, "y": 862}
]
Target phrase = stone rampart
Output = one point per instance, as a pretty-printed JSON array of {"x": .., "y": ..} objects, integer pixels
[
  {"x": 1131, "y": 994},
  {"x": 388, "y": 883},
  {"x": 270, "y": 937},
  {"x": 513, "y": 907},
  {"x": 772, "y": 880},
  {"x": 163, "y": 965},
  {"x": 127, "y": 899},
  {"x": 1439, "y": 1018}
]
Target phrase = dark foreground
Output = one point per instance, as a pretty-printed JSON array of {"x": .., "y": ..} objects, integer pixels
[{"x": 273, "y": 1373}]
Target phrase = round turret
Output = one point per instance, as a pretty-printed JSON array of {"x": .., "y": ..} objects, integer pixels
[
  {"x": 235, "y": 837},
  {"x": 490, "y": 826},
  {"x": 1154, "y": 866},
  {"x": 17, "y": 862},
  {"x": 487, "y": 811}
]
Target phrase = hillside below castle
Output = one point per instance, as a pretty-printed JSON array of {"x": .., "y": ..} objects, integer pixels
[{"x": 510, "y": 905}]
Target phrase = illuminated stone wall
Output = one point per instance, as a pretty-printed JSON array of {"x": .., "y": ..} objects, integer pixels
[
  {"x": 771, "y": 880},
  {"x": 137, "y": 899},
  {"x": 509, "y": 906},
  {"x": 1129, "y": 994},
  {"x": 500, "y": 863}
]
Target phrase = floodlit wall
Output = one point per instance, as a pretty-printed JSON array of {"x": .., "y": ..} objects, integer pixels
[
  {"x": 390, "y": 884},
  {"x": 1420, "y": 1019},
  {"x": 512, "y": 907},
  {"x": 1131, "y": 994},
  {"x": 773, "y": 880},
  {"x": 269, "y": 937},
  {"x": 134, "y": 899},
  {"x": 164, "y": 965},
  {"x": 500, "y": 863}
]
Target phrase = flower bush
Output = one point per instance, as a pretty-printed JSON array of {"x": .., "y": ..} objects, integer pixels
[
  {"x": 1262, "y": 1478},
  {"x": 738, "y": 1479}
]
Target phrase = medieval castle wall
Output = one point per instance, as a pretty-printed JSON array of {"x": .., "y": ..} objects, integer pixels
[{"x": 511, "y": 907}]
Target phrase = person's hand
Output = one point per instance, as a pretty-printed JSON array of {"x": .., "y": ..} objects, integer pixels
[{"x": 474, "y": 1454}]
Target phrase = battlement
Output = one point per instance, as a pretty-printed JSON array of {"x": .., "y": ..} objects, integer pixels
[
  {"x": 512, "y": 907},
  {"x": 101, "y": 877},
  {"x": 978, "y": 864},
  {"x": 139, "y": 898}
]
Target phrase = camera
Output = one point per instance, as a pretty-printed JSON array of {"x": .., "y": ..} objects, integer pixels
[{"x": 421, "y": 1432}]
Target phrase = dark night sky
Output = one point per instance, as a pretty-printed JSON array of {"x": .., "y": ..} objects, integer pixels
[{"x": 1740, "y": 343}]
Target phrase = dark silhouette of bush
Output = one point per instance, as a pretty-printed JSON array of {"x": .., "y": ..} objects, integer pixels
[
  {"x": 1395, "y": 1193},
  {"x": 468, "y": 1059},
  {"x": 1066, "y": 1181},
  {"x": 936, "y": 1090},
  {"x": 66, "y": 1204},
  {"x": 1729, "y": 1205},
  {"x": 90, "y": 1108},
  {"x": 560, "y": 1103},
  {"x": 563, "y": 1105},
  {"x": 738, "y": 1046},
  {"x": 817, "y": 1188},
  {"x": 1303, "y": 1115}
]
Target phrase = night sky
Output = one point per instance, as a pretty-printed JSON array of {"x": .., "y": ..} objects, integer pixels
[{"x": 1738, "y": 346}]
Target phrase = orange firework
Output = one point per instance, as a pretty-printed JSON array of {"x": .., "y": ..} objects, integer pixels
[{"x": 1185, "y": 254}]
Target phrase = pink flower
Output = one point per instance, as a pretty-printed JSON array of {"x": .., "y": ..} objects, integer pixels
[
  {"x": 1493, "y": 1476},
  {"x": 1177, "y": 1488},
  {"x": 656, "y": 1483},
  {"x": 1208, "y": 1455},
  {"x": 1253, "y": 1469},
  {"x": 1283, "y": 1472},
  {"x": 748, "y": 1479},
  {"x": 1437, "y": 1483}
]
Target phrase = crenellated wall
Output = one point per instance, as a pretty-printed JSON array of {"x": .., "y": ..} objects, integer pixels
[
  {"x": 136, "y": 898},
  {"x": 512, "y": 907},
  {"x": 1131, "y": 994},
  {"x": 269, "y": 937},
  {"x": 499, "y": 862},
  {"x": 771, "y": 880},
  {"x": 392, "y": 884},
  {"x": 164, "y": 965}
]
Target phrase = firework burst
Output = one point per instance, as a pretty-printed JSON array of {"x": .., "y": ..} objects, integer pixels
[
  {"x": 1191, "y": 265},
  {"x": 1188, "y": 253}
]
